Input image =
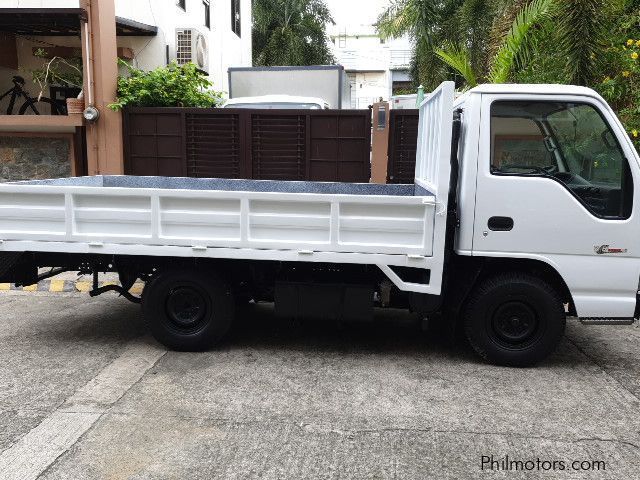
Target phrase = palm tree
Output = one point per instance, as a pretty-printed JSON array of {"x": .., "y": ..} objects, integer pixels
[
  {"x": 571, "y": 32},
  {"x": 495, "y": 40},
  {"x": 291, "y": 32},
  {"x": 432, "y": 24},
  {"x": 513, "y": 50},
  {"x": 582, "y": 34}
]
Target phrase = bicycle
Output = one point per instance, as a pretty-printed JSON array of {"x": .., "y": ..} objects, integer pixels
[{"x": 31, "y": 106}]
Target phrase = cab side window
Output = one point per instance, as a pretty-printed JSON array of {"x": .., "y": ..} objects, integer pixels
[{"x": 570, "y": 143}]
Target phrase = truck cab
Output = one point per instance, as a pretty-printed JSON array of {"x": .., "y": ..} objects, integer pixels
[{"x": 546, "y": 187}]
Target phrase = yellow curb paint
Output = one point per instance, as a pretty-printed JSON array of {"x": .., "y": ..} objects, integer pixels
[
  {"x": 84, "y": 286},
  {"x": 56, "y": 286}
]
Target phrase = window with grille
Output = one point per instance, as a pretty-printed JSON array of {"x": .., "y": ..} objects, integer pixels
[{"x": 236, "y": 17}]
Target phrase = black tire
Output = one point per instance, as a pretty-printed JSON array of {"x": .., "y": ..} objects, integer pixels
[
  {"x": 44, "y": 106},
  {"x": 514, "y": 319},
  {"x": 188, "y": 310}
]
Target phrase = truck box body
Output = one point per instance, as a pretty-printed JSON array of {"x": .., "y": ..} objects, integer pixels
[
  {"x": 327, "y": 82},
  {"x": 251, "y": 219}
]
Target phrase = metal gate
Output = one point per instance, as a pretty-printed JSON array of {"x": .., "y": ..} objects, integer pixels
[
  {"x": 328, "y": 145},
  {"x": 403, "y": 144}
]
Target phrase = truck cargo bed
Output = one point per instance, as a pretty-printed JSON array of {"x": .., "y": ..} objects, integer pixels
[
  {"x": 218, "y": 218},
  {"x": 228, "y": 185}
]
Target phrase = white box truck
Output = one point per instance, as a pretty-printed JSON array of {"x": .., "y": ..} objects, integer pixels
[
  {"x": 328, "y": 82},
  {"x": 524, "y": 211}
]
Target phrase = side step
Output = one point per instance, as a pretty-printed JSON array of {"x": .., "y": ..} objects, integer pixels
[{"x": 607, "y": 321}]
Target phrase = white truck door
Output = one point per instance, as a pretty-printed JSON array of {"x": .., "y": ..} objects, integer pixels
[{"x": 555, "y": 184}]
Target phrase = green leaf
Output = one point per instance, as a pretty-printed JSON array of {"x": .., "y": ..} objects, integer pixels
[
  {"x": 458, "y": 58},
  {"x": 517, "y": 42}
]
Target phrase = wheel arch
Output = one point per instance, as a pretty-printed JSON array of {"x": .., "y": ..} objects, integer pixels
[{"x": 477, "y": 269}]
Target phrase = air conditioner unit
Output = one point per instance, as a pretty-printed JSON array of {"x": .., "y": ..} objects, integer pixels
[{"x": 192, "y": 46}]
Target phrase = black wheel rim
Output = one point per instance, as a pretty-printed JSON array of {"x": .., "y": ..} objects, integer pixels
[
  {"x": 514, "y": 324},
  {"x": 187, "y": 309}
]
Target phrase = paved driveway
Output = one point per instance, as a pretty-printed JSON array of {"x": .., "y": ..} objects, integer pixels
[{"x": 86, "y": 394}]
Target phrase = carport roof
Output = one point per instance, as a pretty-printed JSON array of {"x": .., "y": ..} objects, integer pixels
[{"x": 61, "y": 22}]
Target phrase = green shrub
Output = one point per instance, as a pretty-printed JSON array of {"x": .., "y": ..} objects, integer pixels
[
  {"x": 171, "y": 86},
  {"x": 620, "y": 82}
]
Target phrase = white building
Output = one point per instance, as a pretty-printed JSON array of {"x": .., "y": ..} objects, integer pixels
[
  {"x": 220, "y": 29},
  {"x": 377, "y": 68}
]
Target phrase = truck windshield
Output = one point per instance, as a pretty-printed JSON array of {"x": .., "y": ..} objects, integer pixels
[{"x": 570, "y": 142}]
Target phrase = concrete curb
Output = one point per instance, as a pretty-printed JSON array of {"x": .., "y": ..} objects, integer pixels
[{"x": 60, "y": 286}]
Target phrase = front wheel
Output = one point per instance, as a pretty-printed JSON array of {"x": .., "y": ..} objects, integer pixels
[
  {"x": 188, "y": 310},
  {"x": 514, "y": 319}
]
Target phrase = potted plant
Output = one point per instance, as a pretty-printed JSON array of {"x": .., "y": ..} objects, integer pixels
[{"x": 63, "y": 73}]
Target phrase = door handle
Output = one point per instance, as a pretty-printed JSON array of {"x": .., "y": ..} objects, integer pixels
[{"x": 500, "y": 224}]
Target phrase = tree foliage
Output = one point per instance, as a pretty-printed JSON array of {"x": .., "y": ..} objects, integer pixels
[
  {"x": 291, "y": 32},
  {"x": 435, "y": 24},
  {"x": 497, "y": 39},
  {"x": 594, "y": 43},
  {"x": 171, "y": 86}
]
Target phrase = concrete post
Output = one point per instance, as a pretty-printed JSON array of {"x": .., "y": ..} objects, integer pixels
[
  {"x": 380, "y": 142},
  {"x": 104, "y": 137}
]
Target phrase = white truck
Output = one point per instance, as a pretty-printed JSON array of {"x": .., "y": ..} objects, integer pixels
[
  {"x": 523, "y": 212},
  {"x": 328, "y": 82},
  {"x": 277, "y": 102}
]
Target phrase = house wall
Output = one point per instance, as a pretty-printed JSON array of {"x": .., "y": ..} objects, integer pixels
[
  {"x": 226, "y": 49},
  {"x": 368, "y": 88},
  {"x": 372, "y": 63},
  {"x": 30, "y": 157}
]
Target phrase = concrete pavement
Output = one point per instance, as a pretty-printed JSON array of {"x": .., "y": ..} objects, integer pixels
[{"x": 86, "y": 394}]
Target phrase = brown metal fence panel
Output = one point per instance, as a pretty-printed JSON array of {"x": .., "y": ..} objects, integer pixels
[
  {"x": 154, "y": 144},
  {"x": 278, "y": 147},
  {"x": 214, "y": 148},
  {"x": 403, "y": 145},
  {"x": 329, "y": 145},
  {"x": 340, "y": 145}
]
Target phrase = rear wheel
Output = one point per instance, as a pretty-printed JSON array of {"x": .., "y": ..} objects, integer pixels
[
  {"x": 188, "y": 310},
  {"x": 514, "y": 319}
]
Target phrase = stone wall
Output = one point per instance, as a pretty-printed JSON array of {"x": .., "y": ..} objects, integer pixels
[{"x": 25, "y": 158}]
